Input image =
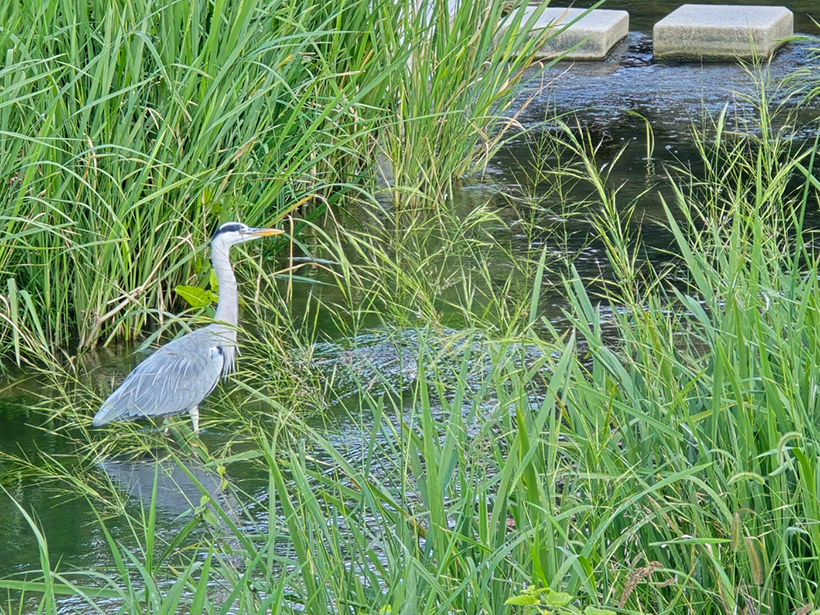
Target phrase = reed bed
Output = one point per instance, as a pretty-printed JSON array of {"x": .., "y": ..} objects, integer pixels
[
  {"x": 656, "y": 455},
  {"x": 655, "y": 450},
  {"x": 129, "y": 130}
]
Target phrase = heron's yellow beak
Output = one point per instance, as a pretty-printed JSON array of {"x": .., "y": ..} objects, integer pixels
[{"x": 264, "y": 232}]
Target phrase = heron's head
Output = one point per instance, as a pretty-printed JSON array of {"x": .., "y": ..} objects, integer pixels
[{"x": 232, "y": 233}]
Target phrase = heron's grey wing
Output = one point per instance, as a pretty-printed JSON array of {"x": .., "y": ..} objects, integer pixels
[{"x": 174, "y": 379}]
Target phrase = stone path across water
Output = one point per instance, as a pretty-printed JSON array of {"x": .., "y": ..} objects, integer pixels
[{"x": 692, "y": 32}]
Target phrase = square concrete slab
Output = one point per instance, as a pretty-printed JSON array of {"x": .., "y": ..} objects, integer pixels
[
  {"x": 594, "y": 34},
  {"x": 721, "y": 32}
]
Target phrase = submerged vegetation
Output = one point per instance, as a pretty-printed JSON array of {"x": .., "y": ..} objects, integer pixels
[{"x": 653, "y": 448}]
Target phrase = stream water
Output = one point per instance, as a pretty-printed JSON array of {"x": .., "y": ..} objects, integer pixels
[{"x": 614, "y": 99}]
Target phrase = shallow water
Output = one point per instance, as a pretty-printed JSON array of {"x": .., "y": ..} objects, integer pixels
[{"x": 613, "y": 99}]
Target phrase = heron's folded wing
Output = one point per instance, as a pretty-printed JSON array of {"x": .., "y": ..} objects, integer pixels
[{"x": 174, "y": 379}]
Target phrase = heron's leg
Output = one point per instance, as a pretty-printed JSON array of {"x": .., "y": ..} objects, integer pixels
[{"x": 195, "y": 418}]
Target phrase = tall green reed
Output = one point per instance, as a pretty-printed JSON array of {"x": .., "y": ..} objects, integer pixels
[
  {"x": 655, "y": 457},
  {"x": 127, "y": 130},
  {"x": 669, "y": 465},
  {"x": 706, "y": 383},
  {"x": 659, "y": 455},
  {"x": 466, "y": 64}
]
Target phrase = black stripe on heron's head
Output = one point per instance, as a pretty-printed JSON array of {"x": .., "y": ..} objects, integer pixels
[{"x": 230, "y": 227}]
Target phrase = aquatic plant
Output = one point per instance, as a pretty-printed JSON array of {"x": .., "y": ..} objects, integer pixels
[
  {"x": 129, "y": 130},
  {"x": 653, "y": 450},
  {"x": 660, "y": 453}
]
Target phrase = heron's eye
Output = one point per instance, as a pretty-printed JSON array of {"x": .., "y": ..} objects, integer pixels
[{"x": 230, "y": 227}]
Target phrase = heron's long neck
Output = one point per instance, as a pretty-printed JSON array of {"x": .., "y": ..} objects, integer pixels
[{"x": 227, "y": 310}]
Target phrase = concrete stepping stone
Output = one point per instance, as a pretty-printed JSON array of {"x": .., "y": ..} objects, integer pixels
[
  {"x": 595, "y": 33},
  {"x": 721, "y": 32}
]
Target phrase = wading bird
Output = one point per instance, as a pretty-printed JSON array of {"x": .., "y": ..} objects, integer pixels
[{"x": 178, "y": 376}]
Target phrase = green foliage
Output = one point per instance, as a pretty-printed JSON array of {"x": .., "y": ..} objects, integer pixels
[
  {"x": 197, "y": 297},
  {"x": 129, "y": 129},
  {"x": 655, "y": 451},
  {"x": 544, "y": 600},
  {"x": 663, "y": 454}
]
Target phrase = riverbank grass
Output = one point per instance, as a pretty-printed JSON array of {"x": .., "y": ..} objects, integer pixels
[
  {"x": 656, "y": 455},
  {"x": 133, "y": 129},
  {"x": 653, "y": 449}
]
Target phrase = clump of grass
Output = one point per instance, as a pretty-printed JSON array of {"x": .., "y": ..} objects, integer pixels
[
  {"x": 130, "y": 130},
  {"x": 466, "y": 64},
  {"x": 669, "y": 465},
  {"x": 706, "y": 384}
]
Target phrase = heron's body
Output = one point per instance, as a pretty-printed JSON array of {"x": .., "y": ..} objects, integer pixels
[{"x": 178, "y": 376}]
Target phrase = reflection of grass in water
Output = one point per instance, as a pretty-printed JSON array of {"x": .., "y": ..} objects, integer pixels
[{"x": 674, "y": 466}]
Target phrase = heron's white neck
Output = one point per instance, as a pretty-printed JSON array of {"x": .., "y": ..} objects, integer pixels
[{"x": 227, "y": 309}]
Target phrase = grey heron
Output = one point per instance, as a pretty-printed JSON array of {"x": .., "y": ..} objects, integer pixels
[{"x": 182, "y": 373}]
